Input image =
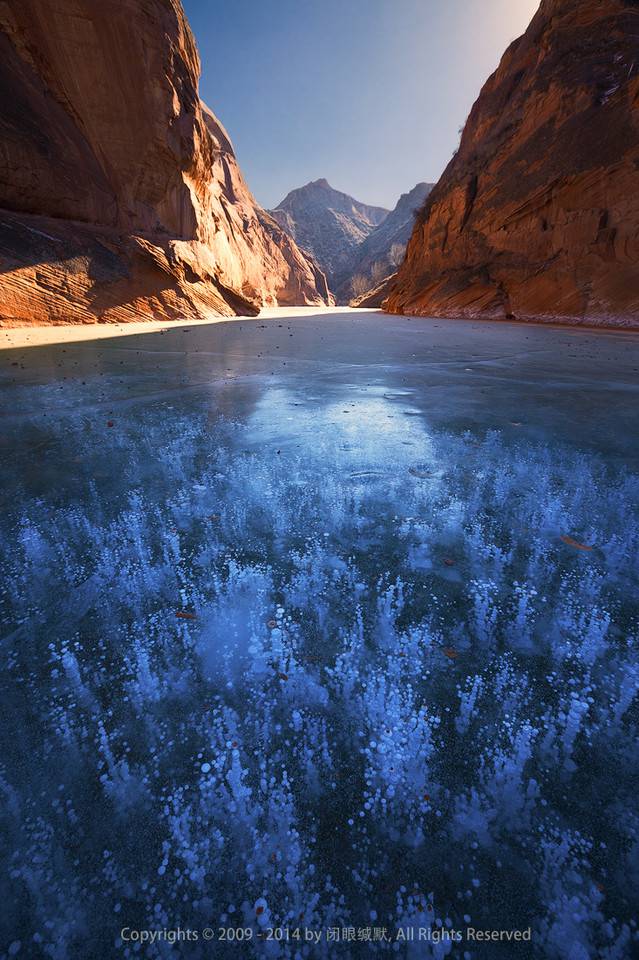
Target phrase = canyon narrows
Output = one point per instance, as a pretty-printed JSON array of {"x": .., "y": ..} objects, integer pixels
[{"x": 356, "y": 244}]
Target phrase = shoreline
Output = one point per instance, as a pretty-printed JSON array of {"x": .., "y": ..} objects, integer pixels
[
  {"x": 12, "y": 338},
  {"x": 555, "y": 324}
]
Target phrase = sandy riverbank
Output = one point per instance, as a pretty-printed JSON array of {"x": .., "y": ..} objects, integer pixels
[
  {"x": 21, "y": 337},
  {"x": 12, "y": 337}
]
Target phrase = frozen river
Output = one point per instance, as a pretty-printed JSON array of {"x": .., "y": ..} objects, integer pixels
[{"x": 321, "y": 623}]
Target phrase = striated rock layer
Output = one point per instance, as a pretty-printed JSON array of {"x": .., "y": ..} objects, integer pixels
[
  {"x": 537, "y": 215},
  {"x": 120, "y": 195}
]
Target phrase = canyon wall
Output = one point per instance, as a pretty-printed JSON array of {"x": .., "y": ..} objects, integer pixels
[
  {"x": 537, "y": 215},
  {"x": 120, "y": 194}
]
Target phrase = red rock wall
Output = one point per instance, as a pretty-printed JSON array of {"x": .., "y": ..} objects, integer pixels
[
  {"x": 537, "y": 215},
  {"x": 120, "y": 196}
]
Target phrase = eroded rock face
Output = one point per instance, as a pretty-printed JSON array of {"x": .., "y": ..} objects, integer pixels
[
  {"x": 120, "y": 195},
  {"x": 329, "y": 224},
  {"x": 537, "y": 215}
]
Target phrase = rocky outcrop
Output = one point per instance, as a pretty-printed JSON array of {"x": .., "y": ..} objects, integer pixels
[
  {"x": 383, "y": 250},
  {"x": 120, "y": 195},
  {"x": 375, "y": 297},
  {"x": 328, "y": 224},
  {"x": 537, "y": 215}
]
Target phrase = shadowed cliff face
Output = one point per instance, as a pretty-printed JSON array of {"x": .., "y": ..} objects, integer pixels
[
  {"x": 537, "y": 215},
  {"x": 120, "y": 195},
  {"x": 377, "y": 248}
]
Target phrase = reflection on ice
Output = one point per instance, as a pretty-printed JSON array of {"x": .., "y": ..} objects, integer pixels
[{"x": 359, "y": 435}]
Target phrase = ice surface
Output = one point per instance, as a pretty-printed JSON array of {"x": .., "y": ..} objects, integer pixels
[{"x": 296, "y": 641}]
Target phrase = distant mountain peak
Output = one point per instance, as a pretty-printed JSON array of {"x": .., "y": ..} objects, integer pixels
[
  {"x": 327, "y": 223},
  {"x": 346, "y": 237}
]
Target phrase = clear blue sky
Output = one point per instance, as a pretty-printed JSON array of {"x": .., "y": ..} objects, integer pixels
[{"x": 367, "y": 93}]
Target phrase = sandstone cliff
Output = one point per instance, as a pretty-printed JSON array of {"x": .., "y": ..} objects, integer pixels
[
  {"x": 120, "y": 195},
  {"x": 329, "y": 224},
  {"x": 537, "y": 215}
]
